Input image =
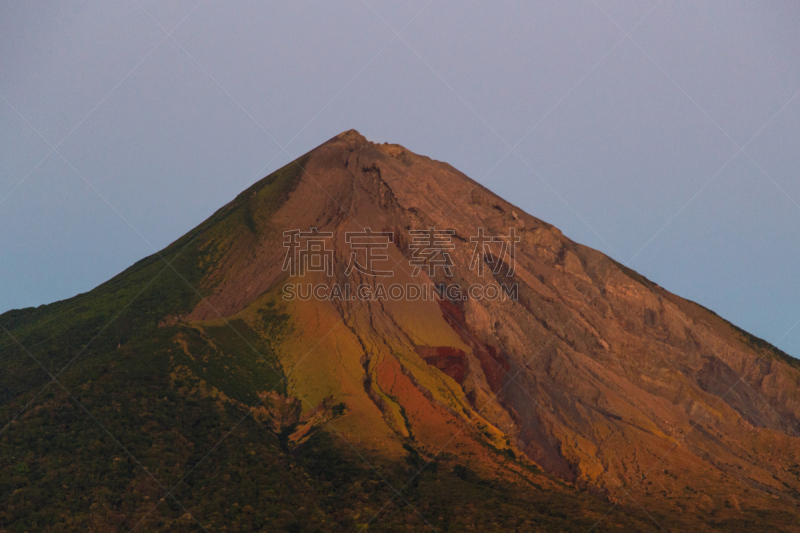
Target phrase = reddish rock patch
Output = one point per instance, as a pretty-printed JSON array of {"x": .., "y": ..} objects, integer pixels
[
  {"x": 449, "y": 360},
  {"x": 493, "y": 362}
]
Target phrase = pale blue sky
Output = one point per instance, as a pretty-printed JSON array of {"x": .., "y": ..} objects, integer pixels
[{"x": 626, "y": 120}]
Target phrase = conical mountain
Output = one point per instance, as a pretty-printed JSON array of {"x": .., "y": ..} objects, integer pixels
[{"x": 367, "y": 336}]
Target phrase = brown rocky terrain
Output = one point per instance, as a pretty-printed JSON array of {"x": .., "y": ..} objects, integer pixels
[
  {"x": 594, "y": 373},
  {"x": 220, "y": 386}
]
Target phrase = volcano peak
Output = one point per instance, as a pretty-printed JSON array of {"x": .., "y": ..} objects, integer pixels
[
  {"x": 547, "y": 363},
  {"x": 352, "y": 136}
]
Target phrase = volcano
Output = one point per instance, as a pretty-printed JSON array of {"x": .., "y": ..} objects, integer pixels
[{"x": 369, "y": 339}]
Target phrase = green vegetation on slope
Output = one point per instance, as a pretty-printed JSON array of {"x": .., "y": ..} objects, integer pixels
[
  {"x": 129, "y": 307},
  {"x": 60, "y": 471}
]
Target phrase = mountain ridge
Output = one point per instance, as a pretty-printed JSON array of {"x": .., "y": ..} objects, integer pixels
[{"x": 594, "y": 375}]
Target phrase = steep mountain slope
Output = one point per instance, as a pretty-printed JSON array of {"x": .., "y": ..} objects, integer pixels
[{"x": 430, "y": 412}]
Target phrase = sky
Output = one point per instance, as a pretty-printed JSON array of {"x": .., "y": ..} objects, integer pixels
[{"x": 664, "y": 134}]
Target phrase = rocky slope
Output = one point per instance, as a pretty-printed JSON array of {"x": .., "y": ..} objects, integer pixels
[{"x": 590, "y": 374}]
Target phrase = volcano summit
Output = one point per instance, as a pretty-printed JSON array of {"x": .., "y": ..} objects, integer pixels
[{"x": 367, "y": 338}]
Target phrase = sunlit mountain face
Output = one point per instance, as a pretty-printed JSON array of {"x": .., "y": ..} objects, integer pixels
[{"x": 368, "y": 339}]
